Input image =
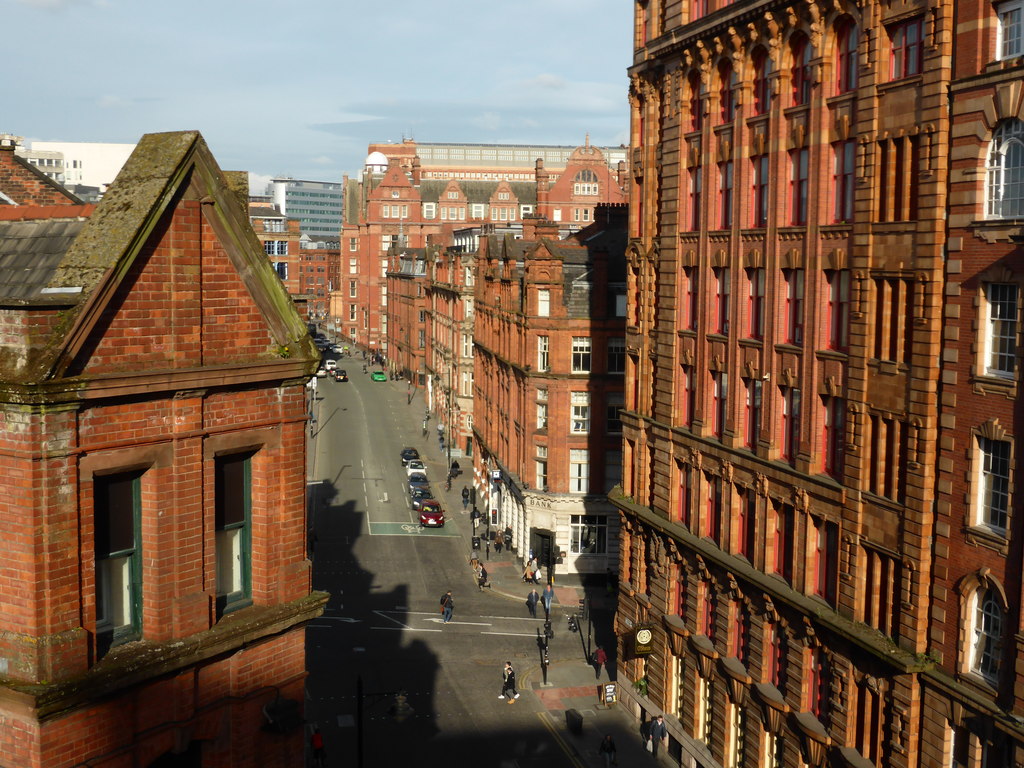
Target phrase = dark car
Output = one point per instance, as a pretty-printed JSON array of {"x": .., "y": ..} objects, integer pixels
[
  {"x": 419, "y": 496},
  {"x": 431, "y": 514},
  {"x": 418, "y": 480},
  {"x": 409, "y": 453},
  {"x": 340, "y": 375}
]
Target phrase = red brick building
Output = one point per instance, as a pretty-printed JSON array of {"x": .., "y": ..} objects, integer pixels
[
  {"x": 786, "y": 283},
  {"x": 549, "y": 359},
  {"x": 975, "y": 698},
  {"x": 279, "y": 237},
  {"x": 393, "y": 204},
  {"x": 408, "y": 328},
  {"x": 152, "y": 375}
]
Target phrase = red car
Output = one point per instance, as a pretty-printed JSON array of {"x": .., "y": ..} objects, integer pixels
[{"x": 431, "y": 514}]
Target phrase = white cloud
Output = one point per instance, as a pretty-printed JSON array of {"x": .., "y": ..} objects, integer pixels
[
  {"x": 488, "y": 121},
  {"x": 258, "y": 183},
  {"x": 550, "y": 82},
  {"x": 322, "y": 160}
]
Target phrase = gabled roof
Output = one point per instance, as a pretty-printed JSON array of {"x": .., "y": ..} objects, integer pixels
[
  {"x": 431, "y": 190},
  {"x": 85, "y": 261}
]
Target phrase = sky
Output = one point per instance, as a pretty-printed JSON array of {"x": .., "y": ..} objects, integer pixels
[{"x": 301, "y": 87}]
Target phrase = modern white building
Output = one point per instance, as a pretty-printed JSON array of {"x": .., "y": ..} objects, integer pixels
[
  {"x": 316, "y": 204},
  {"x": 87, "y": 164}
]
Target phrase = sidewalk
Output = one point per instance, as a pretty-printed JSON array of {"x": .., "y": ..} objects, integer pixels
[{"x": 571, "y": 684}]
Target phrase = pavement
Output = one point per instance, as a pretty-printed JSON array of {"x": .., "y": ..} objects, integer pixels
[{"x": 571, "y": 693}]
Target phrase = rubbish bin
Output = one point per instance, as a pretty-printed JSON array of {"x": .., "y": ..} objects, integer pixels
[
  {"x": 574, "y": 721},
  {"x": 476, "y": 542}
]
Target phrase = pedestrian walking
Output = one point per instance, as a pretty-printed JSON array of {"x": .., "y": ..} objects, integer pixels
[
  {"x": 475, "y": 517},
  {"x": 316, "y": 744},
  {"x": 465, "y": 498},
  {"x": 531, "y": 602},
  {"x": 607, "y": 751},
  {"x": 499, "y": 542},
  {"x": 600, "y": 659},
  {"x": 447, "y": 606},
  {"x": 546, "y": 598},
  {"x": 482, "y": 578},
  {"x": 508, "y": 683},
  {"x": 534, "y": 569},
  {"x": 656, "y": 734}
]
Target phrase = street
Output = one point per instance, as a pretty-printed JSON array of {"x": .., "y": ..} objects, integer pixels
[{"x": 383, "y": 624}]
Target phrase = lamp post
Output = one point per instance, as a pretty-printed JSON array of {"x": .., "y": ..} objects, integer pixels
[{"x": 399, "y": 710}]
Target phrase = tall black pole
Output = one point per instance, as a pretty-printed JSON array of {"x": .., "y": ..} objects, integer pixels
[{"x": 359, "y": 721}]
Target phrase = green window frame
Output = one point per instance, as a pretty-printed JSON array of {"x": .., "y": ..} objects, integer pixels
[
  {"x": 233, "y": 531},
  {"x": 117, "y": 516}
]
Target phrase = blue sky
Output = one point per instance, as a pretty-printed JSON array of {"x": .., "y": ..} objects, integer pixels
[{"x": 300, "y": 87}]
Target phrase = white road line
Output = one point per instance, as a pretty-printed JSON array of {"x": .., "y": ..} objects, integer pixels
[
  {"x": 512, "y": 618},
  {"x": 509, "y": 634},
  {"x": 408, "y": 629},
  {"x": 400, "y": 624}
]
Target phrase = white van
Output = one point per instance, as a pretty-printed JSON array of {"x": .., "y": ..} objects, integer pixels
[{"x": 330, "y": 365}]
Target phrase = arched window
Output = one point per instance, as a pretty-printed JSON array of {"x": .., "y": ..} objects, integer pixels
[
  {"x": 986, "y": 645},
  {"x": 762, "y": 86},
  {"x": 585, "y": 183},
  {"x": 1006, "y": 171},
  {"x": 726, "y": 81},
  {"x": 800, "y": 74},
  {"x": 847, "y": 36}
]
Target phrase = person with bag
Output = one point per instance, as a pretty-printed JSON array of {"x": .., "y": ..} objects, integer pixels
[
  {"x": 508, "y": 683},
  {"x": 657, "y": 734},
  {"x": 447, "y": 605},
  {"x": 482, "y": 578}
]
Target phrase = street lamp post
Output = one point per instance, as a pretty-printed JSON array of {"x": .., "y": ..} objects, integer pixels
[{"x": 399, "y": 710}]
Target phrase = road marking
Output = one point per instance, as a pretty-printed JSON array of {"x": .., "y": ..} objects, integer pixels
[
  {"x": 512, "y": 618},
  {"x": 346, "y": 619},
  {"x": 468, "y": 623},
  {"x": 509, "y": 634},
  {"x": 571, "y": 753},
  {"x": 409, "y": 629},
  {"x": 381, "y": 614}
]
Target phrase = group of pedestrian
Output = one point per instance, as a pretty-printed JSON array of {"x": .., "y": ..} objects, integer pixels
[
  {"x": 532, "y": 571},
  {"x": 544, "y": 599},
  {"x": 481, "y": 574}
]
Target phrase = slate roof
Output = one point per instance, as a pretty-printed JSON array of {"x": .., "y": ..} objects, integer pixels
[
  {"x": 30, "y": 252},
  {"x": 477, "y": 191}
]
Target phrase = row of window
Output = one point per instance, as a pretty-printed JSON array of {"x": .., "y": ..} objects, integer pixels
[
  {"x": 118, "y": 513},
  {"x": 580, "y": 412},
  {"x": 579, "y": 469},
  {"x": 581, "y": 359},
  {"x": 791, "y": 323}
]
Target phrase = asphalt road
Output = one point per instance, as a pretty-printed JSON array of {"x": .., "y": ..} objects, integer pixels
[{"x": 383, "y": 623}]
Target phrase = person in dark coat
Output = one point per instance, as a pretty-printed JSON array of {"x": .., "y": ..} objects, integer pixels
[
  {"x": 447, "y": 605},
  {"x": 531, "y": 602},
  {"x": 607, "y": 751},
  {"x": 657, "y": 734},
  {"x": 546, "y": 598},
  {"x": 508, "y": 683}
]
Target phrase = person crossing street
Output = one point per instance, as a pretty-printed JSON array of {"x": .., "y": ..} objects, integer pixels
[{"x": 508, "y": 684}]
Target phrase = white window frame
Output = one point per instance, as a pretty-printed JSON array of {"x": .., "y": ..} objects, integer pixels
[
  {"x": 582, "y": 351},
  {"x": 543, "y": 302},
  {"x": 993, "y": 484},
  {"x": 1002, "y": 309},
  {"x": 579, "y": 403},
  {"x": 430, "y": 210},
  {"x": 588, "y": 535},
  {"x": 1004, "y": 182},
  {"x": 543, "y": 353},
  {"x": 542, "y": 415},
  {"x": 986, "y": 618},
  {"x": 579, "y": 470},
  {"x": 1010, "y": 39}
]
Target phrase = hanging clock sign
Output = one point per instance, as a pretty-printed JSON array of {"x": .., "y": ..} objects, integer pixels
[{"x": 643, "y": 641}]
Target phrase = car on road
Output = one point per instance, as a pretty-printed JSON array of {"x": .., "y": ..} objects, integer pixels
[
  {"x": 431, "y": 514},
  {"x": 419, "y": 496},
  {"x": 378, "y": 376},
  {"x": 408, "y": 454},
  {"x": 415, "y": 465},
  {"x": 340, "y": 374},
  {"x": 418, "y": 480},
  {"x": 330, "y": 365},
  {"x": 321, "y": 372}
]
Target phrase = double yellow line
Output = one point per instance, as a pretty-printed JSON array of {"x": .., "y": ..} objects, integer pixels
[{"x": 570, "y": 751}]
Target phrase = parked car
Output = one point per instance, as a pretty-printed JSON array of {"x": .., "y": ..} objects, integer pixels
[
  {"x": 408, "y": 454},
  {"x": 431, "y": 514},
  {"x": 378, "y": 376},
  {"x": 418, "y": 480},
  {"x": 415, "y": 465},
  {"x": 419, "y": 496}
]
